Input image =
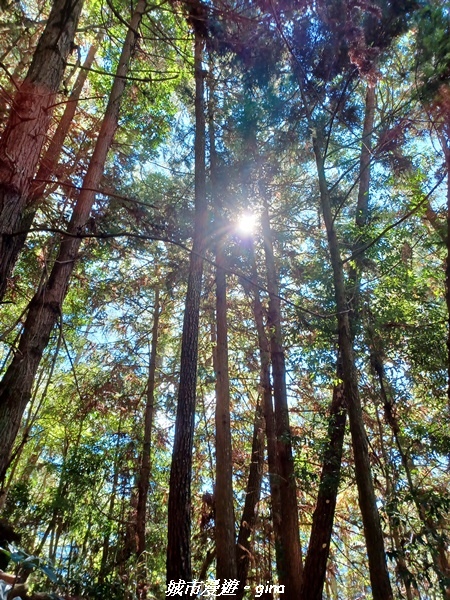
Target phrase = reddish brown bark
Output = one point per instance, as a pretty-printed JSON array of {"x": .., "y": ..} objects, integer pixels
[
  {"x": 179, "y": 510},
  {"x": 223, "y": 493},
  {"x": 47, "y": 168},
  {"x": 143, "y": 477},
  {"x": 24, "y": 134},
  {"x": 224, "y": 529},
  {"x": 45, "y": 307}
]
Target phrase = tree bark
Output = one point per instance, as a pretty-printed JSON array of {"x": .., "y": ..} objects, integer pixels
[
  {"x": 143, "y": 479},
  {"x": 144, "y": 469},
  {"x": 179, "y": 510},
  {"x": 322, "y": 526},
  {"x": 290, "y": 537},
  {"x": 224, "y": 530},
  {"x": 394, "y": 523},
  {"x": 379, "y": 577},
  {"x": 24, "y": 134},
  {"x": 45, "y": 307},
  {"x": 47, "y": 168},
  {"x": 446, "y": 148},
  {"x": 269, "y": 419},
  {"x": 223, "y": 492},
  {"x": 252, "y": 496}
]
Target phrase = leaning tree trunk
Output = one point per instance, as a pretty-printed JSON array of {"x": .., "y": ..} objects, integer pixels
[
  {"x": 179, "y": 510},
  {"x": 45, "y": 308},
  {"x": 47, "y": 168},
  {"x": 25, "y": 131},
  {"x": 322, "y": 526},
  {"x": 291, "y": 556},
  {"x": 379, "y": 577}
]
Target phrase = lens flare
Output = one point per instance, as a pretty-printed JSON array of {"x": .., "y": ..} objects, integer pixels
[{"x": 246, "y": 223}]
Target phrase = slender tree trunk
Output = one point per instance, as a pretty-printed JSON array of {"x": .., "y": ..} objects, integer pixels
[
  {"x": 24, "y": 134},
  {"x": 269, "y": 417},
  {"x": 45, "y": 307},
  {"x": 145, "y": 462},
  {"x": 225, "y": 535},
  {"x": 47, "y": 168},
  {"x": 144, "y": 469},
  {"x": 112, "y": 503},
  {"x": 252, "y": 496},
  {"x": 223, "y": 492},
  {"x": 266, "y": 388},
  {"x": 379, "y": 577},
  {"x": 446, "y": 147},
  {"x": 320, "y": 538},
  {"x": 362, "y": 206},
  {"x": 322, "y": 526},
  {"x": 179, "y": 511},
  {"x": 290, "y": 537}
]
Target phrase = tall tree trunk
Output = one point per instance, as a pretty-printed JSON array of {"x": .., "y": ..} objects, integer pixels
[
  {"x": 323, "y": 518},
  {"x": 314, "y": 571},
  {"x": 179, "y": 511},
  {"x": 252, "y": 496},
  {"x": 223, "y": 492},
  {"x": 47, "y": 168},
  {"x": 225, "y": 535},
  {"x": 269, "y": 418},
  {"x": 144, "y": 468},
  {"x": 24, "y": 134},
  {"x": 145, "y": 462},
  {"x": 379, "y": 577},
  {"x": 290, "y": 537},
  {"x": 446, "y": 147},
  {"x": 45, "y": 307},
  {"x": 251, "y": 148}
]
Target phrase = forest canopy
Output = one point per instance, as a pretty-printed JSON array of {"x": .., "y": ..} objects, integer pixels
[{"x": 225, "y": 299}]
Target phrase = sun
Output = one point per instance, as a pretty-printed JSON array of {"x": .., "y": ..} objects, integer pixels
[{"x": 246, "y": 223}]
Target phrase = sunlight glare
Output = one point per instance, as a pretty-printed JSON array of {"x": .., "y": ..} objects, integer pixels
[{"x": 246, "y": 223}]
